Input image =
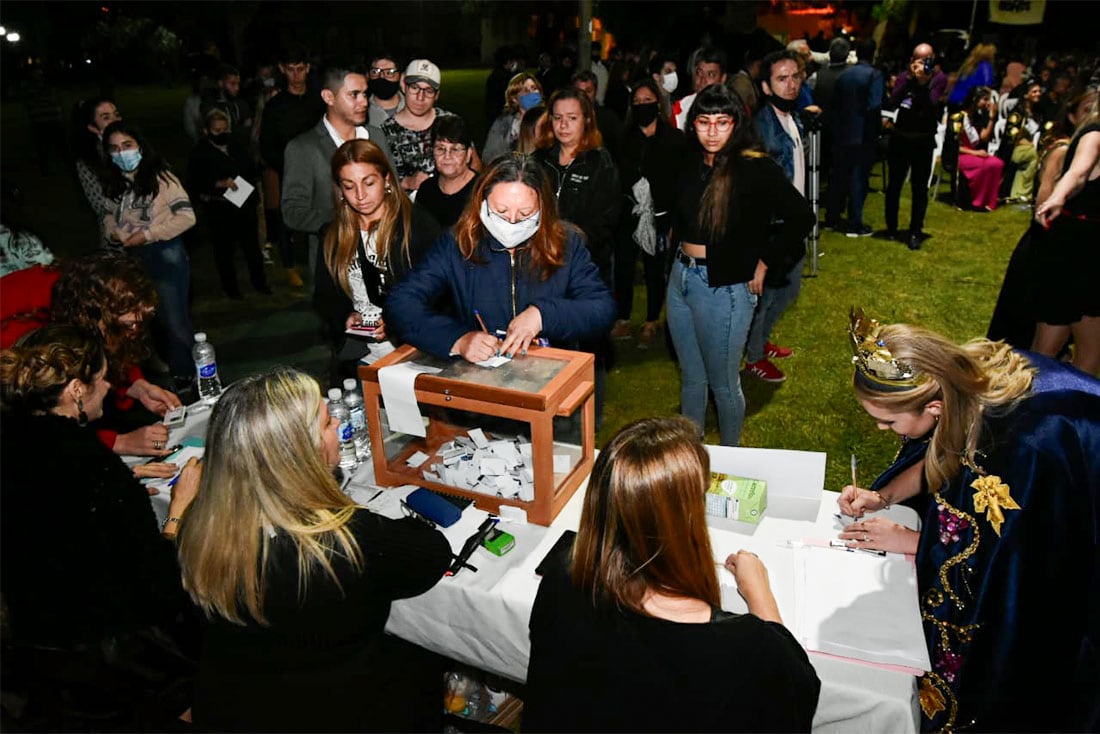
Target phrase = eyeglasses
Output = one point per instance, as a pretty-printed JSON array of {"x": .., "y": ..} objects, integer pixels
[
  {"x": 722, "y": 124},
  {"x": 388, "y": 73},
  {"x": 455, "y": 150},
  {"x": 423, "y": 91}
]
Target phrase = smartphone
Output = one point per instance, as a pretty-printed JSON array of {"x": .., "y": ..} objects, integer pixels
[
  {"x": 928, "y": 62},
  {"x": 561, "y": 548},
  {"x": 176, "y": 416}
]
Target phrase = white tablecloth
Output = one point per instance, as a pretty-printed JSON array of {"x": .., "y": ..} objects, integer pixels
[{"x": 482, "y": 618}]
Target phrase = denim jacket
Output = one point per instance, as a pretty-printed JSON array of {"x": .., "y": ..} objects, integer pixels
[{"x": 776, "y": 140}]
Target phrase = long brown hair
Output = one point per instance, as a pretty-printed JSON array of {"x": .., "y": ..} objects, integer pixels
[
  {"x": 545, "y": 250},
  {"x": 93, "y": 291},
  {"x": 343, "y": 239},
  {"x": 718, "y": 99},
  {"x": 972, "y": 380},
  {"x": 643, "y": 526},
  {"x": 591, "y": 138}
]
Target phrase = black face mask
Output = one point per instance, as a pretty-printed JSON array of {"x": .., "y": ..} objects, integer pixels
[
  {"x": 384, "y": 88},
  {"x": 220, "y": 139},
  {"x": 645, "y": 113},
  {"x": 783, "y": 105}
]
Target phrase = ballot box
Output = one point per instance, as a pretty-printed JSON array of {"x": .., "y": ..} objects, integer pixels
[{"x": 520, "y": 398}]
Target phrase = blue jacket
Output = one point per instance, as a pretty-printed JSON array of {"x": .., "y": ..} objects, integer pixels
[
  {"x": 857, "y": 104},
  {"x": 574, "y": 302},
  {"x": 776, "y": 140}
]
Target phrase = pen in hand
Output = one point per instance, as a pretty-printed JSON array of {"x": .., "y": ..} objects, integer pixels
[
  {"x": 854, "y": 463},
  {"x": 477, "y": 315}
]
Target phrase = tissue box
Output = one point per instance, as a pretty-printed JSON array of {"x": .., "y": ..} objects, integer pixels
[{"x": 737, "y": 498}]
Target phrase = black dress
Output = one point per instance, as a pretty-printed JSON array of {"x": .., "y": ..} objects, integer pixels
[
  {"x": 614, "y": 670},
  {"x": 1067, "y": 267},
  {"x": 322, "y": 664}
]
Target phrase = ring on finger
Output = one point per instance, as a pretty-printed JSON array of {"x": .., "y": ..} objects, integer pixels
[{"x": 866, "y": 537}]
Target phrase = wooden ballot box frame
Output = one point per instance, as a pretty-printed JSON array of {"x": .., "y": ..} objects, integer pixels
[{"x": 569, "y": 390}]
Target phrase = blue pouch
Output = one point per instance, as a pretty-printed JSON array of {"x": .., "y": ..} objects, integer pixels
[{"x": 435, "y": 508}]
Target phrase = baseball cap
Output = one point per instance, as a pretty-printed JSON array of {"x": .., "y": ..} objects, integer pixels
[{"x": 422, "y": 70}]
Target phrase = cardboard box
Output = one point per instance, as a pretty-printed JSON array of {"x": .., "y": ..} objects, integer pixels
[{"x": 737, "y": 498}]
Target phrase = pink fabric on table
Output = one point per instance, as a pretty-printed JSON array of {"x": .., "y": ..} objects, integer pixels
[{"x": 983, "y": 176}]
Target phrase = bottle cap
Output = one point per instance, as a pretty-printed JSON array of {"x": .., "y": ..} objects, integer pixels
[
  {"x": 349, "y": 383},
  {"x": 334, "y": 393},
  {"x": 200, "y": 336}
]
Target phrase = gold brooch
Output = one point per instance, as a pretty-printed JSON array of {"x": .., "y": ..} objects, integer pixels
[
  {"x": 931, "y": 698},
  {"x": 992, "y": 496}
]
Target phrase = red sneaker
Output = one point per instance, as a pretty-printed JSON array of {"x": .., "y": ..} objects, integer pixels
[
  {"x": 774, "y": 351},
  {"x": 766, "y": 371}
]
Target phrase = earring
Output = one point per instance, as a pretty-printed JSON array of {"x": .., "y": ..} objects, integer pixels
[
  {"x": 81, "y": 416},
  {"x": 389, "y": 189}
]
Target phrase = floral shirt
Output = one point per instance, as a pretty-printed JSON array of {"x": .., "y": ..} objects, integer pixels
[{"x": 412, "y": 149}]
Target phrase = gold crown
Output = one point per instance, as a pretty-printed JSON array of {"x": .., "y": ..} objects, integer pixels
[{"x": 874, "y": 362}]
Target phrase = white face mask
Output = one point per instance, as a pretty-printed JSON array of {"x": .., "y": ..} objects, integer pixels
[
  {"x": 506, "y": 233},
  {"x": 669, "y": 82}
]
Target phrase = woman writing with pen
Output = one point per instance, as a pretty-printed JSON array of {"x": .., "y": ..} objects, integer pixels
[
  {"x": 509, "y": 264},
  {"x": 1007, "y": 446}
]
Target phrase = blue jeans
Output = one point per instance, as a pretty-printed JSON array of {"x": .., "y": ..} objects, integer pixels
[
  {"x": 774, "y": 301},
  {"x": 709, "y": 327},
  {"x": 170, "y": 269}
]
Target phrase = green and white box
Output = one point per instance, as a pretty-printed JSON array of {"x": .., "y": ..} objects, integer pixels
[{"x": 737, "y": 498}]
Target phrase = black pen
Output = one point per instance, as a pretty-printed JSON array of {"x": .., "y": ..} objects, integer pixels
[
  {"x": 376, "y": 496},
  {"x": 171, "y": 450}
]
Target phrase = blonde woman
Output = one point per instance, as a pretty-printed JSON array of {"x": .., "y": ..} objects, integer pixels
[
  {"x": 1008, "y": 448},
  {"x": 376, "y": 236},
  {"x": 635, "y": 609},
  {"x": 975, "y": 71},
  {"x": 295, "y": 580},
  {"x": 523, "y": 93}
]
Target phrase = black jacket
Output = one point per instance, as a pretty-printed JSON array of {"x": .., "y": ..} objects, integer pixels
[
  {"x": 208, "y": 165},
  {"x": 658, "y": 159},
  {"x": 767, "y": 219},
  {"x": 334, "y": 305},
  {"x": 588, "y": 196}
]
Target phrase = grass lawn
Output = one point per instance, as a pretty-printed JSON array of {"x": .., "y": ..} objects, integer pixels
[{"x": 950, "y": 286}]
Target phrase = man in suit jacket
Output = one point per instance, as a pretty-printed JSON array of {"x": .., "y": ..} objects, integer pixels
[
  {"x": 857, "y": 101},
  {"x": 307, "y": 180}
]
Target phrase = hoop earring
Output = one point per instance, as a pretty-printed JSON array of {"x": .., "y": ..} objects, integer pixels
[
  {"x": 81, "y": 416},
  {"x": 389, "y": 189}
]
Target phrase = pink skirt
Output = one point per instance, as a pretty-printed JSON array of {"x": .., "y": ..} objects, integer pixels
[{"x": 983, "y": 176}]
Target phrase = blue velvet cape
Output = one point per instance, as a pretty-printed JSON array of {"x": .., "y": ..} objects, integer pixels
[{"x": 1013, "y": 619}]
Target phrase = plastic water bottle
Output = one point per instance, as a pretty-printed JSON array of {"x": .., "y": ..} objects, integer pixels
[
  {"x": 344, "y": 432},
  {"x": 358, "y": 412},
  {"x": 206, "y": 369}
]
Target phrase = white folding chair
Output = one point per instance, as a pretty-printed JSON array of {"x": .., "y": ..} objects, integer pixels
[{"x": 936, "y": 173}]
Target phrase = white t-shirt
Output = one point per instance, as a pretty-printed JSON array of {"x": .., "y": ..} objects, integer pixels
[{"x": 799, "y": 178}]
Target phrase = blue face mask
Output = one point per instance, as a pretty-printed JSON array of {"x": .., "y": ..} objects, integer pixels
[
  {"x": 529, "y": 100},
  {"x": 127, "y": 160}
]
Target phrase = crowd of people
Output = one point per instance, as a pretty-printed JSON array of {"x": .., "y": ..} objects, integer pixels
[{"x": 384, "y": 203}]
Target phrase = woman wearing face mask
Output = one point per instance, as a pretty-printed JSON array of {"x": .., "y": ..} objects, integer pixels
[
  {"x": 216, "y": 163},
  {"x": 729, "y": 192},
  {"x": 523, "y": 93},
  {"x": 92, "y": 116},
  {"x": 149, "y": 211},
  {"x": 662, "y": 69},
  {"x": 512, "y": 260},
  {"x": 377, "y": 235},
  {"x": 652, "y": 150}
]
